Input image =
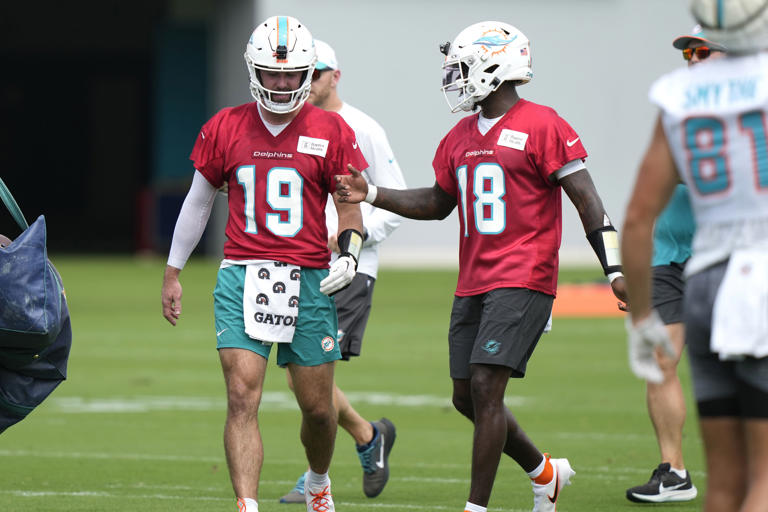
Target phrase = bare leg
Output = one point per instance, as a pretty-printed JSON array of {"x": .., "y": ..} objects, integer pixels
[
  {"x": 349, "y": 419},
  {"x": 313, "y": 386},
  {"x": 481, "y": 399},
  {"x": 757, "y": 450},
  {"x": 666, "y": 403},
  {"x": 726, "y": 452},
  {"x": 244, "y": 377}
]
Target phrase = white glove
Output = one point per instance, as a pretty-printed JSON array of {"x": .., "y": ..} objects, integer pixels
[
  {"x": 341, "y": 274},
  {"x": 643, "y": 339}
]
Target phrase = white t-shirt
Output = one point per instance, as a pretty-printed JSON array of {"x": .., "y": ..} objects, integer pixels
[
  {"x": 715, "y": 118},
  {"x": 382, "y": 171}
]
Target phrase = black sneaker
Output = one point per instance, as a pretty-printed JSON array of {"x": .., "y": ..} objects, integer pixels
[
  {"x": 664, "y": 486},
  {"x": 375, "y": 459}
]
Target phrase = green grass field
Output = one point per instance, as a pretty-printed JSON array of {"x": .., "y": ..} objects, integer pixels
[{"x": 138, "y": 424}]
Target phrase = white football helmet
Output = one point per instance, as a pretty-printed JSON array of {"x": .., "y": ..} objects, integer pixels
[
  {"x": 480, "y": 58},
  {"x": 280, "y": 43},
  {"x": 740, "y": 25}
]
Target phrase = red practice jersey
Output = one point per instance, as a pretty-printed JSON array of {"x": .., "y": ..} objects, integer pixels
[
  {"x": 509, "y": 211},
  {"x": 278, "y": 185}
]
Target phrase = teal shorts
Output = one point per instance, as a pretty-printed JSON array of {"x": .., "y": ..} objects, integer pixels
[{"x": 314, "y": 341}]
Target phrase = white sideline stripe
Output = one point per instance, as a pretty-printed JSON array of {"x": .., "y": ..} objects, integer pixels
[
  {"x": 97, "y": 455},
  {"x": 270, "y": 401},
  {"x": 102, "y": 494},
  {"x": 599, "y": 472}
]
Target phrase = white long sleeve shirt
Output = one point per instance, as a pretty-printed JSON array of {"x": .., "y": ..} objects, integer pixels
[{"x": 382, "y": 171}]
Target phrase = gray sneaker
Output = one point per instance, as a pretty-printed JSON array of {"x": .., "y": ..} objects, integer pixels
[
  {"x": 297, "y": 494},
  {"x": 375, "y": 459}
]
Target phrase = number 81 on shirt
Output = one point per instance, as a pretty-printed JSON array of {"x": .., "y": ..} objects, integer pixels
[{"x": 708, "y": 155}]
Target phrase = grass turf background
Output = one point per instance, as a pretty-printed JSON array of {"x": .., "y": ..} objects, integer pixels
[{"x": 138, "y": 424}]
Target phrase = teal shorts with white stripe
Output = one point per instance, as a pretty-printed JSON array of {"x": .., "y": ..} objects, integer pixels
[{"x": 314, "y": 341}]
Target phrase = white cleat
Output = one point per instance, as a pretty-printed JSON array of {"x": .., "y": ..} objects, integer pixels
[
  {"x": 319, "y": 499},
  {"x": 545, "y": 496}
]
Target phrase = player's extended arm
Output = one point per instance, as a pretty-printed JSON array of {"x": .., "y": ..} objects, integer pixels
[
  {"x": 416, "y": 203},
  {"x": 600, "y": 233}
]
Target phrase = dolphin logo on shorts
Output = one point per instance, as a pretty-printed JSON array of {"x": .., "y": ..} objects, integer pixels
[{"x": 492, "y": 347}]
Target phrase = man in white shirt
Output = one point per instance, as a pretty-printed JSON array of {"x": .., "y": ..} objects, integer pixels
[{"x": 353, "y": 304}]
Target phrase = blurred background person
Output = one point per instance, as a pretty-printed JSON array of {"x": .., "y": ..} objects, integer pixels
[
  {"x": 711, "y": 135},
  {"x": 373, "y": 440},
  {"x": 672, "y": 236}
]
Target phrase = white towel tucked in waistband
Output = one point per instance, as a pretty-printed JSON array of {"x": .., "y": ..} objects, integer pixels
[
  {"x": 271, "y": 301},
  {"x": 740, "y": 313}
]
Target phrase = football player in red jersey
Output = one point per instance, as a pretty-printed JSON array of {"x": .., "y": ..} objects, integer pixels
[
  {"x": 278, "y": 157},
  {"x": 504, "y": 168}
]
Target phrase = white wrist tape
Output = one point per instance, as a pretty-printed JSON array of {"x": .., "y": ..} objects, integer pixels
[
  {"x": 371, "y": 196},
  {"x": 614, "y": 275}
]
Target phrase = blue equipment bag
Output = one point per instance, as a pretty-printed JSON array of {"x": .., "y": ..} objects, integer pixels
[{"x": 35, "y": 329}]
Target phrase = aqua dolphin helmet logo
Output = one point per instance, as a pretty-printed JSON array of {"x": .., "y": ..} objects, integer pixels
[{"x": 494, "y": 40}]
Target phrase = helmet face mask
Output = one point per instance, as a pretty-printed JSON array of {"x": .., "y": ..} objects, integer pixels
[
  {"x": 480, "y": 59},
  {"x": 280, "y": 44}
]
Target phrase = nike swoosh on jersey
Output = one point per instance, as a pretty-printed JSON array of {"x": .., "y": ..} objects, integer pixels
[
  {"x": 222, "y": 331},
  {"x": 553, "y": 498},
  {"x": 570, "y": 143},
  {"x": 380, "y": 462}
]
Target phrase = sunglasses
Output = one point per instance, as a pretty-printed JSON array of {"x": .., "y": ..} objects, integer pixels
[
  {"x": 317, "y": 73},
  {"x": 702, "y": 52}
]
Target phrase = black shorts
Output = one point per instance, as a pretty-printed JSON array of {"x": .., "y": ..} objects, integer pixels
[
  {"x": 353, "y": 305},
  {"x": 499, "y": 327},
  {"x": 734, "y": 388},
  {"x": 667, "y": 296}
]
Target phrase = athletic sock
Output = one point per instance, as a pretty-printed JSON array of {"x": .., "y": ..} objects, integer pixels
[
  {"x": 543, "y": 473},
  {"x": 317, "y": 480},
  {"x": 247, "y": 505},
  {"x": 682, "y": 473},
  {"x": 471, "y": 507},
  {"x": 362, "y": 447}
]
